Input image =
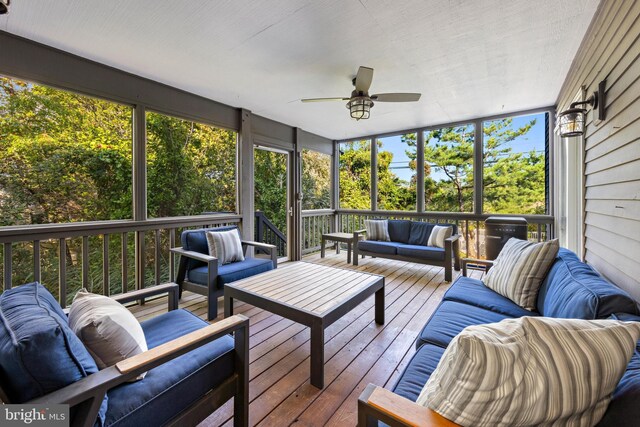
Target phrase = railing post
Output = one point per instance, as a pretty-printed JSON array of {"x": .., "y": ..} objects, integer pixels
[
  {"x": 36, "y": 261},
  {"x": 62, "y": 273},
  {"x": 157, "y": 256},
  {"x": 7, "y": 266},
  {"x": 172, "y": 259},
  {"x": 125, "y": 263},
  {"x": 105, "y": 265},
  {"x": 259, "y": 226},
  {"x": 85, "y": 263}
]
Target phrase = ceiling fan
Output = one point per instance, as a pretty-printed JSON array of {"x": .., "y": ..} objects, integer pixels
[{"x": 360, "y": 102}]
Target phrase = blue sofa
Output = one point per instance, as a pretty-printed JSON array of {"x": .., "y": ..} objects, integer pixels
[
  {"x": 572, "y": 289},
  {"x": 200, "y": 273},
  {"x": 408, "y": 242},
  {"x": 195, "y": 367}
]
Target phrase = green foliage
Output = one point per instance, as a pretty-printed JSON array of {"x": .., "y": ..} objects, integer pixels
[
  {"x": 68, "y": 158},
  {"x": 355, "y": 175},
  {"x": 316, "y": 180},
  {"x": 191, "y": 167},
  {"x": 271, "y": 186}
]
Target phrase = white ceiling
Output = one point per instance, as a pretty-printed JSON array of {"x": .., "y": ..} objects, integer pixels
[{"x": 468, "y": 58}]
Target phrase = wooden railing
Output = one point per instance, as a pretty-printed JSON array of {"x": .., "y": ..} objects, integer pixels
[
  {"x": 267, "y": 232},
  {"x": 470, "y": 226},
  {"x": 314, "y": 224},
  {"x": 104, "y": 257}
]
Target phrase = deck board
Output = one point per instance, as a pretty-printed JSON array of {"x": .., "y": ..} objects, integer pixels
[{"x": 357, "y": 350}]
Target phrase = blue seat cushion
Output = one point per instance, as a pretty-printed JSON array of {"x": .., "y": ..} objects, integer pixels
[
  {"x": 196, "y": 241},
  {"x": 474, "y": 292},
  {"x": 572, "y": 289},
  {"x": 418, "y": 371},
  {"x": 171, "y": 388},
  {"x": 399, "y": 230},
  {"x": 39, "y": 353},
  {"x": 421, "y": 252},
  {"x": 231, "y": 272},
  {"x": 385, "y": 248},
  {"x": 624, "y": 409},
  {"x": 450, "y": 318}
]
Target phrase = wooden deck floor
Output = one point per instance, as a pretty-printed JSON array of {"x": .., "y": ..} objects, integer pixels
[{"x": 357, "y": 351}]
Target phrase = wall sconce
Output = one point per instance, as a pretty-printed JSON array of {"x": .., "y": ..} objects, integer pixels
[
  {"x": 4, "y": 6},
  {"x": 571, "y": 121}
]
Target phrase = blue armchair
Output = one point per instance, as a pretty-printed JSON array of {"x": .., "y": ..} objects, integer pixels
[
  {"x": 192, "y": 367},
  {"x": 201, "y": 273}
]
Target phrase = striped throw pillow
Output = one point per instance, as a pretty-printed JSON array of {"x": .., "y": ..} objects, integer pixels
[
  {"x": 438, "y": 235},
  {"x": 531, "y": 371},
  {"x": 377, "y": 229},
  {"x": 225, "y": 245},
  {"x": 520, "y": 269}
]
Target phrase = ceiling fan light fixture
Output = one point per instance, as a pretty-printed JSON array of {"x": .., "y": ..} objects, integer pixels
[{"x": 360, "y": 107}]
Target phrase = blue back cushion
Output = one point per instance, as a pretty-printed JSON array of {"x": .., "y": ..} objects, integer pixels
[
  {"x": 572, "y": 289},
  {"x": 623, "y": 409},
  {"x": 420, "y": 232},
  {"x": 39, "y": 353},
  {"x": 196, "y": 241},
  {"x": 399, "y": 230}
]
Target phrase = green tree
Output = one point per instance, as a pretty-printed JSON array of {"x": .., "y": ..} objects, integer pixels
[
  {"x": 316, "y": 180},
  {"x": 191, "y": 167},
  {"x": 355, "y": 175}
]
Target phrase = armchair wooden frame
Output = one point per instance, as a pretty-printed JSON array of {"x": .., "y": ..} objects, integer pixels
[
  {"x": 211, "y": 291},
  {"x": 451, "y": 254},
  {"x": 378, "y": 404},
  {"x": 85, "y": 396}
]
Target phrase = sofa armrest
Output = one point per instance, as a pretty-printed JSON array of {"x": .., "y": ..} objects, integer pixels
[
  {"x": 171, "y": 289},
  {"x": 357, "y": 233},
  {"x": 194, "y": 255},
  {"x": 163, "y": 353},
  {"x": 453, "y": 238},
  {"x": 271, "y": 249},
  {"x": 87, "y": 394},
  {"x": 377, "y": 403}
]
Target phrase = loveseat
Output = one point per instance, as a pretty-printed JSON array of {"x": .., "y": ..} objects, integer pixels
[
  {"x": 571, "y": 289},
  {"x": 191, "y": 367},
  {"x": 408, "y": 242}
]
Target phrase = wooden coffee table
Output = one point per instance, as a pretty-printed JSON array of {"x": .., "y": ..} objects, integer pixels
[{"x": 311, "y": 294}]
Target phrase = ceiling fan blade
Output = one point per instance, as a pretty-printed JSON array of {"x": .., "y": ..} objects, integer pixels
[
  {"x": 323, "y": 99},
  {"x": 396, "y": 97},
  {"x": 363, "y": 79}
]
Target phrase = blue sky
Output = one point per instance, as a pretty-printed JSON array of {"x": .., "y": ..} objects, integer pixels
[{"x": 533, "y": 140}]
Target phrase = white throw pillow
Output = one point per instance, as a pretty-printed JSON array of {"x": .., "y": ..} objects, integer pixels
[
  {"x": 106, "y": 328},
  {"x": 377, "y": 229},
  {"x": 225, "y": 245},
  {"x": 520, "y": 268},
  {"x": 531, "y": 371},
  {"x": 439, "y": 234}
]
